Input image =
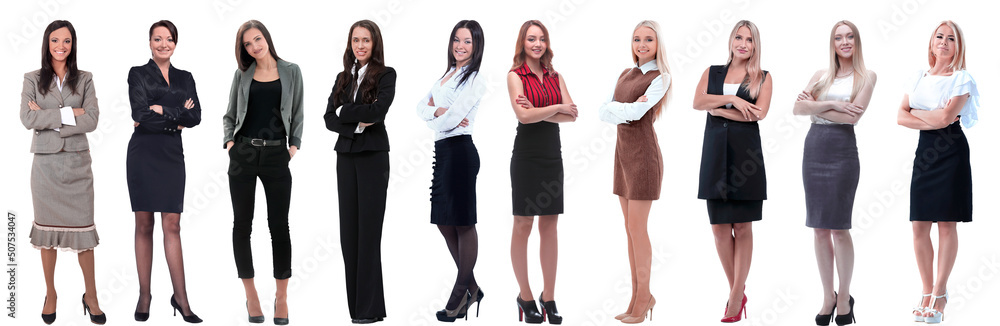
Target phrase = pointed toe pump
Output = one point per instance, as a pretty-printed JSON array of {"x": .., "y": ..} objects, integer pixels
[
  {"x": 279, "y": 321},
  {"x": 254, "y": 319},
  {"x": 642, "y": 317},
  {"x": 192, "y": 318},
  {"x": 743, "y": 311}
]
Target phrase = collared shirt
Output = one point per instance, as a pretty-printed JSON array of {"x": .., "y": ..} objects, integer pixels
[
  {"x": 65, "y": 114},
  {"x": 354, "y": 92},
  {"x": 462, "y": 102},
  {"x": 617, "y": 112}
]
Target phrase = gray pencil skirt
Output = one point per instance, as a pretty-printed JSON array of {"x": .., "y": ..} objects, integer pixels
[
  {"x": 62, "y": 191},
  {"x": 830, "y": 172}
]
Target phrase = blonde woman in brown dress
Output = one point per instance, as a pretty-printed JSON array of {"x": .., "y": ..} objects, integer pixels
[{"x": 637, "y": 101}]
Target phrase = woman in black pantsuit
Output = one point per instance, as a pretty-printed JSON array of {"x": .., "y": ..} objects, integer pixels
[
  {"x": 264, "y": 115},
  {"x": 164, "y": 101},
  {"x": 732, "y": 179},
  {"x": 356, "y": 111}
]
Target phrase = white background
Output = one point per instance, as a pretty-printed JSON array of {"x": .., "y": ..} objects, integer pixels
[{"x": 591, "y": 44}]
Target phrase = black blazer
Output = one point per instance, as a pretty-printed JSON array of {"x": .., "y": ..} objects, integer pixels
[
  {"x": 146, "y": 87},
  {"x": 732, "y": 162},
  {"x": 374, "y": 137}
]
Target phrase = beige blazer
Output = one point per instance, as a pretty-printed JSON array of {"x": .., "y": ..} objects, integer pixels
[{"x": 45, "y": 121}]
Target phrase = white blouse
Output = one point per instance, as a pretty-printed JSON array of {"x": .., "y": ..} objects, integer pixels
[
  {"x": 617, "y": 112},
  {"x": 929, "y": 92},
  {"x": 462, "y": 102},
  {"x": 840, "y": 91},
  {"x": 730, "y": 89}
]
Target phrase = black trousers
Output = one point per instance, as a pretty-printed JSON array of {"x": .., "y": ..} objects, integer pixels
[
  {"x": 270, "y": 164},
  {"x": 362, "y": 181}
]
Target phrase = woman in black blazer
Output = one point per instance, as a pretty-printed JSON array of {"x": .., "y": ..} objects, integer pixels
[
  {"x": 356, "y": 111},
  {"x": 732, "y": 179},
  {"x": 262, "y": 130},
  {"x": 164, "y": 101}
]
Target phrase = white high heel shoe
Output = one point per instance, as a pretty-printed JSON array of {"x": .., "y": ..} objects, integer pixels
[
  {"x": 919, "y": 317},
  {"x": 936, "y": 316}
]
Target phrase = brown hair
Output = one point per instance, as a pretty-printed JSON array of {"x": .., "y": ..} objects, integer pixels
[
  {"x": 243, "y": 58},
  {"x": 519, "y": 54},
  {"x": 168, "y": 25},
  {"x": 376, "y": 64}
]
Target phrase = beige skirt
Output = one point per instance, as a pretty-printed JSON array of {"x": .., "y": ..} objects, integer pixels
[{"x": 62, "y": 190}]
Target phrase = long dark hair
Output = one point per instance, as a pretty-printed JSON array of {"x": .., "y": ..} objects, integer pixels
[
  {"x": 46, "y": 73},
  {"x": 477, "y": 49},
  {"x": 243, "y": 58},
  {"x": 347, "y": 81}
]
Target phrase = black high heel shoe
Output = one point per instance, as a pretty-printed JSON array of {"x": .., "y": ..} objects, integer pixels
[
  {"x": 279, "y": 321},
  {"x": 528, "y": 312},
  {"x": 473, "y": 297},
  {"x": 549, "y": 310},
  {"x": 192, "y": 318},
  {"x": 849, "y": 317},
  {"x": 142, "y": 316},
  {"x": 48, "y": 318},
  {"x": 254, "y": 319},
  {"x": 447, "y": 315},
  {"x": 824, "y": 320},
  {"x": 96, "y": 319}
]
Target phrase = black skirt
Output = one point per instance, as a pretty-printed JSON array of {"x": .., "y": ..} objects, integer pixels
[
  {"x": 154, "y": 168},
  {"x": 731, "y": 211},
  {"x": 941, "y": 187},
  {"x": 453, "y": 189},
  {"x": 536, "y": 170},
  {"x": 830, "y": 173}
]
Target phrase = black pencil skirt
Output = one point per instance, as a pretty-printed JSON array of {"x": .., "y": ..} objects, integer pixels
[
  {"x": 941, "y": 187},
  {"x": 453, "y": 188}
]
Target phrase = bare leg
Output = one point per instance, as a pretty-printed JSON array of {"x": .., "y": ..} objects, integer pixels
[
  {"x": 631, "y": 255},
  {"x": 824, "y": 259},
  {"x": 281, "y": 298},
  {"x": 724, "y": 243},
  {"x": 144, "y": 223},
  {"x": 924, "y": 251},
  {"x": 548, "y": 244},
  {"x": 86, "y": 259},
  {"x": 49, "y": 268},
  {"x": 638, "y": 214},
  {"x": 253, "y": 302},
  {"x": 175, "y": 259},
  {"x": 519, "y": 253},
  {"x": 844, "y": 251},
  {"x": 742, "y": 256},
  {"x": 947, "y": 252}
]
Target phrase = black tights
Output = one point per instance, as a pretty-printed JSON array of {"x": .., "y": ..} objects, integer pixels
[
  {"x": 144, "y": 224},
  {"x": 463, "y": 243}
]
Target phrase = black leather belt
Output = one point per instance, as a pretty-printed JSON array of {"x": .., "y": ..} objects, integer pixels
[{"x": 261, "y": 142}]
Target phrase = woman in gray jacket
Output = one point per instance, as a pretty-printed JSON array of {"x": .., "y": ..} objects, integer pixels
[{"x": 59, "y": 103}]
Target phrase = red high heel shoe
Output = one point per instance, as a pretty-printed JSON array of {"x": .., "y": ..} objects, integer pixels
[{"x": 737, "y": 318}]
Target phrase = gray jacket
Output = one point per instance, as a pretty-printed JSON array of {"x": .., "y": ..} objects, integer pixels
[
  {"x": 291, "y": 102},
  {"x": 69, "y": 138}
]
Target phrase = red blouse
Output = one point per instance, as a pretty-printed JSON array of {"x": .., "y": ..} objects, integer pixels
[{"x": 538, "y": 93}]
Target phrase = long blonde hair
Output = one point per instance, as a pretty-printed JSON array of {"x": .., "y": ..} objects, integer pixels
[
  {"x": 857, "y": 60},
  {"x": 958, "y": 60},
  {"x": 754, "y": 73},
  {"x": 661, "y": 60}
]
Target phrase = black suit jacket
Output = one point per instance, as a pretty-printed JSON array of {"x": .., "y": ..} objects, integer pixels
[{"x": 374, "y": 137}]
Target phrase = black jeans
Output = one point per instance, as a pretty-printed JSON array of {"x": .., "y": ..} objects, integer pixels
[
  {"x": 362, "y": 181},
  {"x": 270, "y": 164}
]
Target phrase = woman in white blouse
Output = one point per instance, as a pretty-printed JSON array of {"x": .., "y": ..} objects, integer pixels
[
  {"x": 941, "y": 187},
  {"x": 450, "y": 109},
  {"x": 835, "y": 99},
  {"x": 636, "y": 102}
]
